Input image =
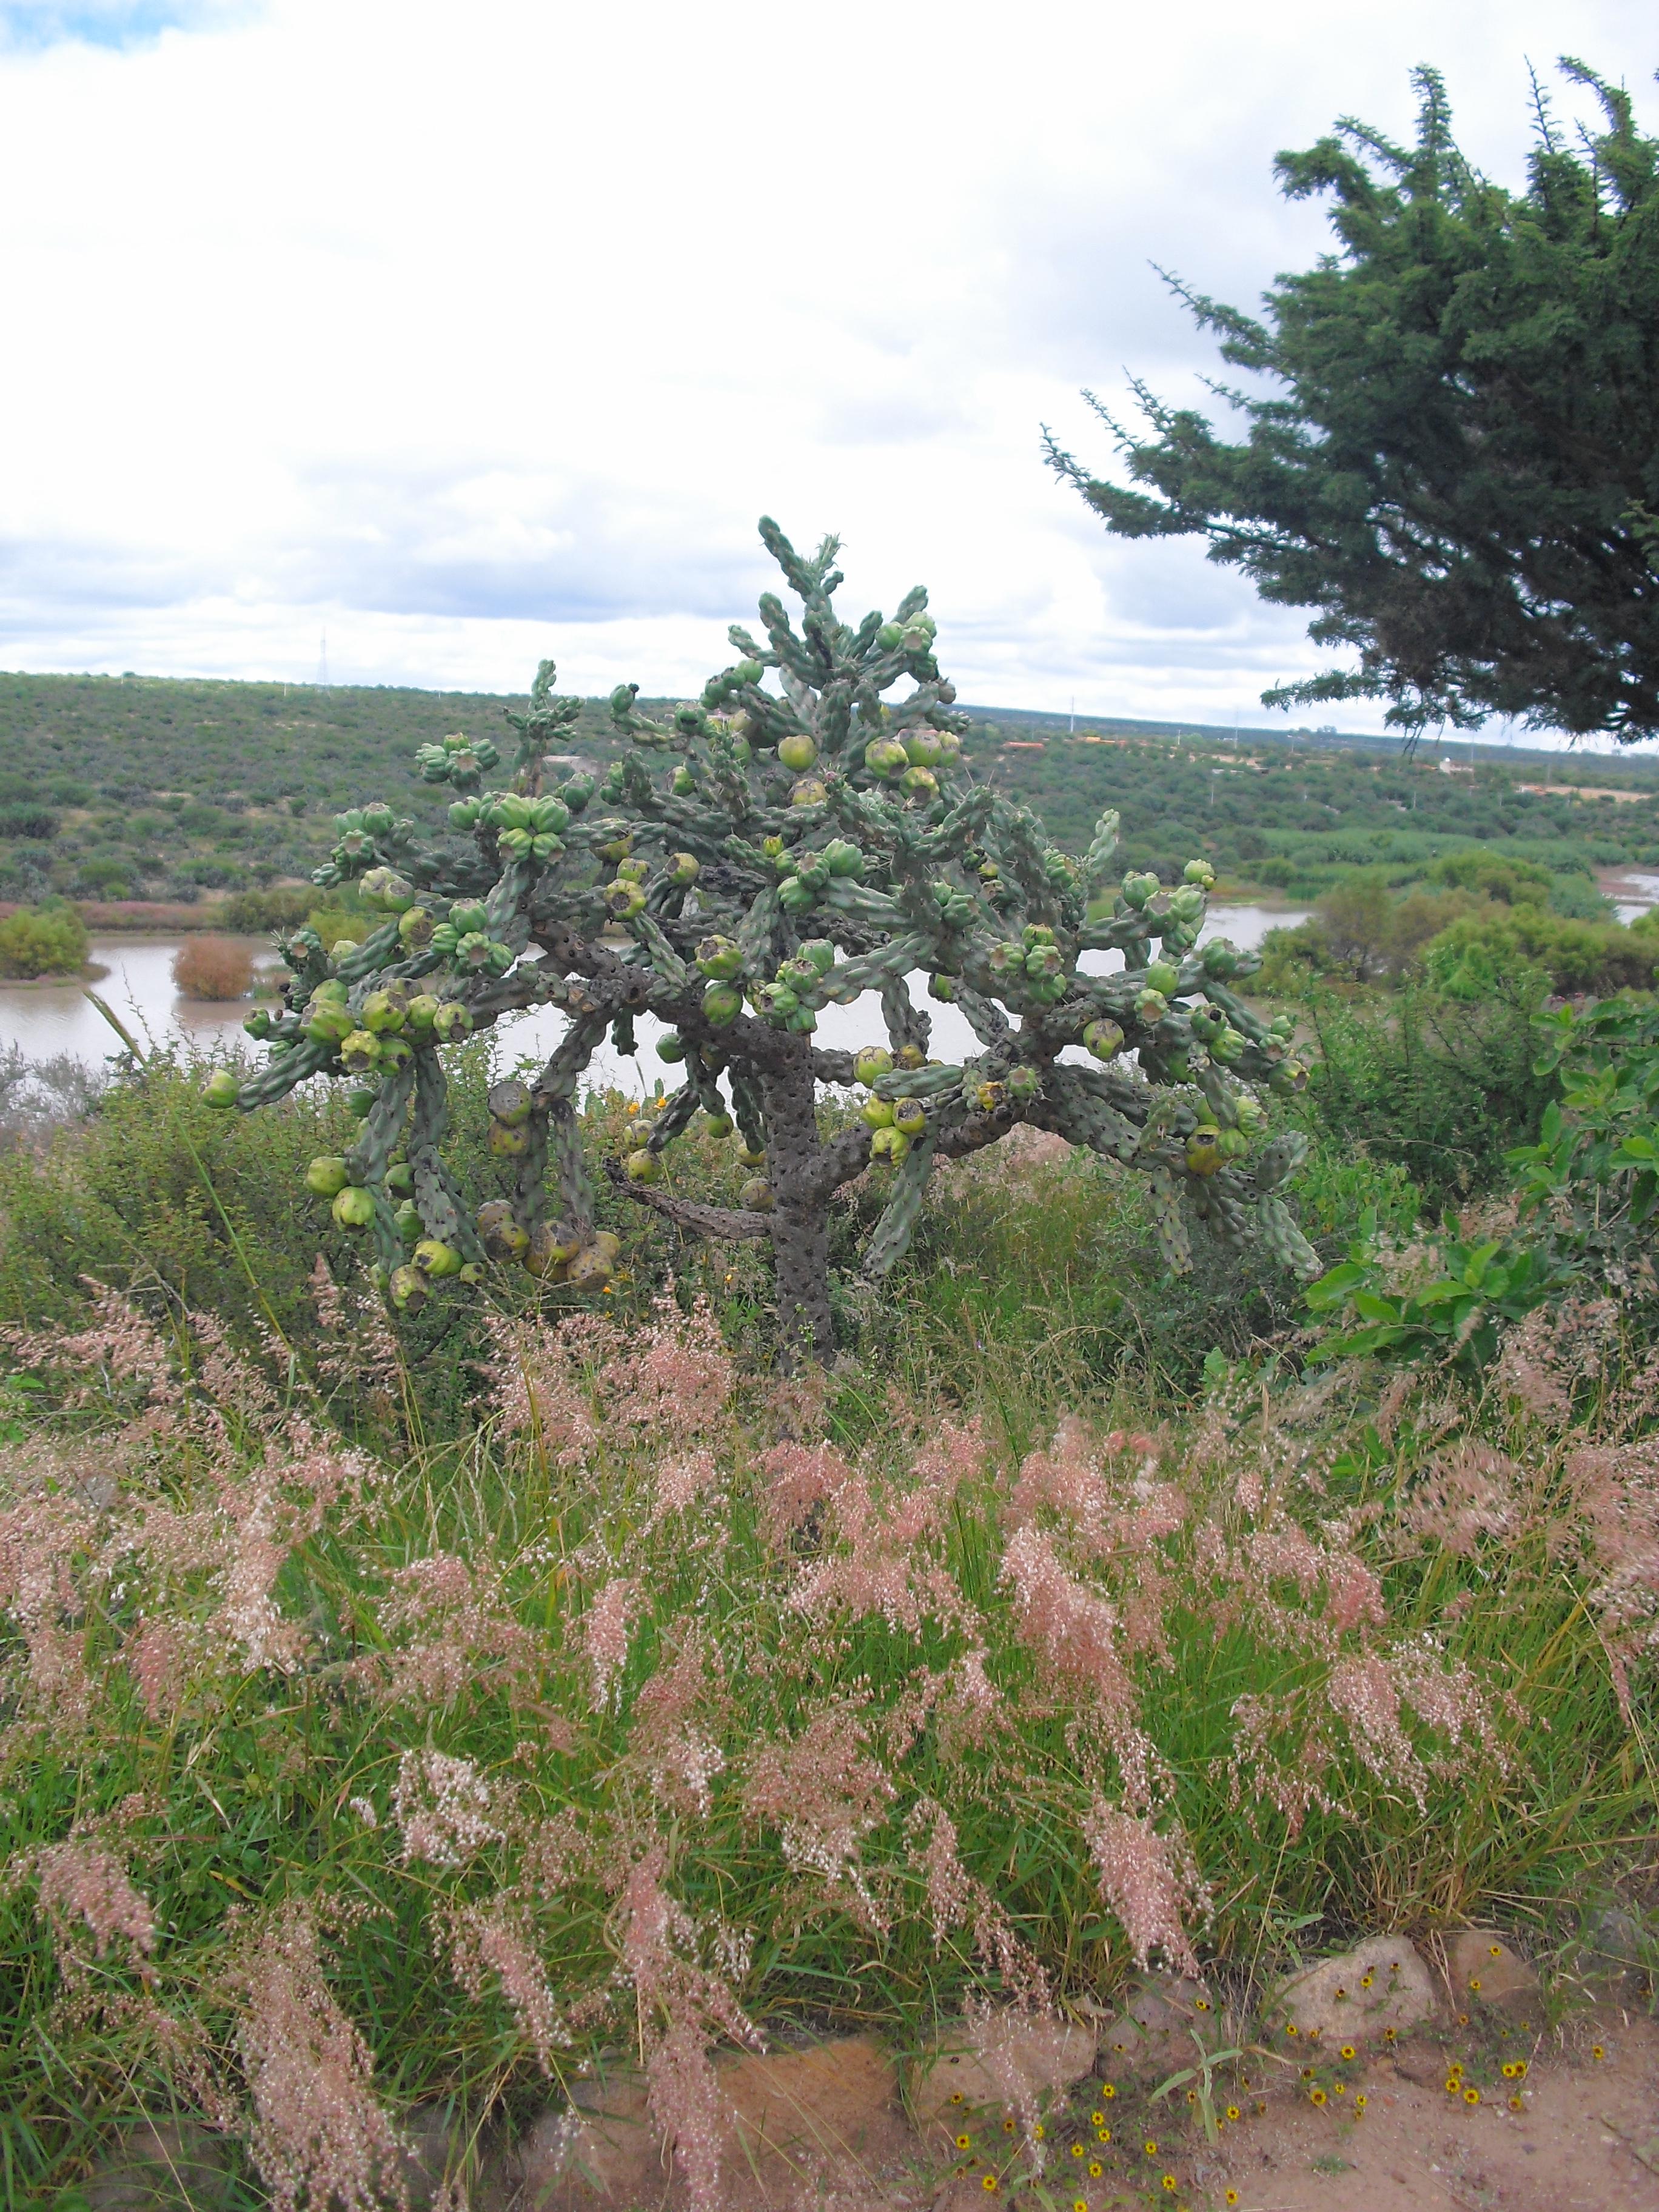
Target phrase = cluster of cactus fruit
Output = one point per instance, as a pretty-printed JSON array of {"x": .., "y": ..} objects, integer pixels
[{"x": 748, "y": 861}]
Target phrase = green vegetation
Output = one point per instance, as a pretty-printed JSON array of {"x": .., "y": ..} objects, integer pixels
[
  {"x": 1453, "y": 458},
  {"x": 792, "y": 852},
  {"x": 43, "y": 940}
]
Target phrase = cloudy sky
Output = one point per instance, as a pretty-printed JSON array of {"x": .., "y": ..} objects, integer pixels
[{"x": 470, "y": 333}]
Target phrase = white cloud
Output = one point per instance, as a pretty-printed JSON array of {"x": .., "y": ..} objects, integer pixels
[{"x": 474, "y": 334}]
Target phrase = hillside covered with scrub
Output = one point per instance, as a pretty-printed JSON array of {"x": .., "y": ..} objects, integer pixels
[{"x": 140, "y": 788}]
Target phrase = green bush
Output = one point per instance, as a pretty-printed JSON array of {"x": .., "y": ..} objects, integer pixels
[
  {"x": 1470, "y": 959},
  {"x": 43, "y": 940},
  {"x": 253, "y": 914},
  {"x": 1439, "y": 1087}
]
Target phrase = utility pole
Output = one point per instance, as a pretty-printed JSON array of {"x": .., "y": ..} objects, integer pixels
[
  {"x": 1070, "y": 731},
  {"x": 322, "y": 664}
]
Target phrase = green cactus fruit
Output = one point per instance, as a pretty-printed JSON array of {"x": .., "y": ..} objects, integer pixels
[
  {"x": 361, "y": 1100},
  {"x": 1024, "y": 1084},
  {"x": 1204, "y": 1153},
  {"x": 719, "y": 958},
  {"x": 325, "y": 1175},
  {"x": 871, "y": 1063},
  {"x": 1151, "y": 1008},
  {"x": 1163, "y": 976},
  {"x": 909, "y": 1115},
  {"x": 624, "y": 901},
  {"x": 798, "y": 752},
  {"x": 752, "y": 1155},
  {"x": 1139, "y": 889},
  {"x": 756, "y": 1196},
  {"x": 919, "y": 783},
  {"x": 1104, "y": 1039},
  {"x": 1200, "y": 872},
  {"x": 407, "y": 1289},
  {"x": 385, "y": 887},
  {"x": 886, "y": 758},
  {"x": 1287, "y": 1079},
  {"x": 1220, "y": 958},
  {"x": 1233, "y": 1144},
  {"x": 988, "y": 1097},
  {"x": 644, "y": 1167},
  {"x": 452, "y": 1022},
  {"x": 502, "y": 1236},
  {"x": 683, "y": 783},
  {"x": 258, "y": 1024},
  {"x": 1228, "y": 1046},
  {"x": 682, "y": 869},
  {"x": 436, "y": 1258},
  {"x": 890, "y": 636},
  {"x": 671, "y": 1047},
  {"x": 722, "y": 1005},
  {"x": 718, "y": 1125},
  {"x": 354, "y": 1207},
  {"x": 889, "y": 1145},
  {"x": 467, "y": 916},
  {"x": 400, "y": 1178},
  {"x": 511, "y": 1101},
  {"x": 328, "y": 1022},
  {"x": 842, "y": 858},
  {"x": 505, "y": 1142},
  {"x": 810, "y": 790},
  {"x": 421, "y": 1014},
  {"x": 385, "y": 1009},
  {"x": 909, "y": 1057},
  {"x": 415, "y": 929},
  {"x": 747, "y": 672},
  {"x": 464, "y": 812},
  {"x": 922, "y": 748},
  {"x": 878, "y": 1112},
  {"x": 359, "y": 1052},
  {"x": 942, "y": 987}
]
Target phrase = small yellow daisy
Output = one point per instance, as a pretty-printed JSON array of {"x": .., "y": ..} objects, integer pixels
[
  {"x": 1102, "y": 2135},
  {"x": 1347, "y": 2050},
  {"x": 1366, "y": 1980},
  {"x": 1077, "y": 2150},
  {"x": 1471, "y": 2096},
  {"x": 1361, "y": 2102},
  {"x": 1097, "y": 2119},
  {"x": 1315, "y": 2096},
  {"x": 1168, "y": 2181},
  {"x": 965, "y": 2142},
  {"x": 1597, "y": 2053},
  {"x": 1109, "y": 2089},
  {"x": 989, "y": 2184},
  {"x": 1230, "y": 2197},
  {"x": 1150, "y": 2146},
  {"x": 1232, "y": 2112},
  {"x": 1095, "y": 2169},
  {"x": 1518, "y": 2104}
]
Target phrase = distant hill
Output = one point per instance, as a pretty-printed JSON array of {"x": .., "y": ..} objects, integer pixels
[{"x": 129, "y": 787}]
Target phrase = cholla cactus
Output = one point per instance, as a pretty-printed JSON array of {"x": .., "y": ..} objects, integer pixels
[{"x": 747, "y": 862}]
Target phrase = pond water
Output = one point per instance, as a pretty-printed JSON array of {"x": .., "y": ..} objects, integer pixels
[{"x": 46, "y": 1019}]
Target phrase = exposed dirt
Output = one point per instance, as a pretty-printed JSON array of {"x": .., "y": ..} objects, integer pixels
[{"x": 821, "y": 2129}]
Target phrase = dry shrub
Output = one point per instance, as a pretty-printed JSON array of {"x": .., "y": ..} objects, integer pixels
[{"x": 212, "y": 968}]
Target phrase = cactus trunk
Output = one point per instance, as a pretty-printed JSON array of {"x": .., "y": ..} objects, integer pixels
[{"x": 800, "y": 1236}]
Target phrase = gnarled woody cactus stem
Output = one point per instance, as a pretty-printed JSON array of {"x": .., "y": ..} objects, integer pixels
[{"x": 805, "y": 835}]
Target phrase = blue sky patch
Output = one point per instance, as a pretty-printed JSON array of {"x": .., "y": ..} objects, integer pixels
[{"x": 31, "y": 26}]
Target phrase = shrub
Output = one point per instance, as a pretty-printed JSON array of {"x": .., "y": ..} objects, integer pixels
[
  {"x": 212, "y": 968},
  {"x": 1479, "y": 952},
  {"x": 251, "y": 914},
  {"x": 1442, "y": 1088},
  {"x": 26, "y": 821},
  {"x": 43, "y": 940}
]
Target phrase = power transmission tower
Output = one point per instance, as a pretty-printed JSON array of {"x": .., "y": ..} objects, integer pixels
[{"x": 322, "y": 664}]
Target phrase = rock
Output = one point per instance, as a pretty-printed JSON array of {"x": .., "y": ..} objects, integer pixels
[
  {"x": 809, "y": 2124},
  {"x": 1356, "y": 1996},
  {"x": 1153, "y": 2032},
  {"x": 162, "y": 2166},
  {"x": 599, "y": 2150},
  {"x": 800, "y": 2124},
  {"x": 1479, "y": 1964},
  {"x": 1002, "y": 2063}
]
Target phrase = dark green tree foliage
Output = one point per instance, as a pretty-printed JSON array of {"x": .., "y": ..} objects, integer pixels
[
  {"x": 749, "y": 861},
  {"x": 1459, "y": 460}
]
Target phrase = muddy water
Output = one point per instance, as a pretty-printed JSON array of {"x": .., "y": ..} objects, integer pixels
[{"x": 46, "y": 1019}]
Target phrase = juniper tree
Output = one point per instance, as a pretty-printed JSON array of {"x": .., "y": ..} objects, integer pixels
[
  {"x": 1451, "y": 447},
  {"x": 745, "y": 862}
]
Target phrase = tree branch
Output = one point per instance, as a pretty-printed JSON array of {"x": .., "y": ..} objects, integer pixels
[{"x": 725, "y": 1224}]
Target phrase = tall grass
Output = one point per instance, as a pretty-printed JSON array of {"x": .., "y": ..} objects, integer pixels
[{"x": 659, "y": 1701}]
